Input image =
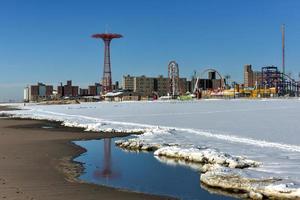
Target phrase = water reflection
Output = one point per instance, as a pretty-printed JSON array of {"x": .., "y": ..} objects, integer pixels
[
  {"x": 197, "y": 167},
  {"x": 237, "y": 194},
  {"x": 106, "y": 164},
  {"x": 107, "y": 171},
  {"x": 178, "y": 162}
]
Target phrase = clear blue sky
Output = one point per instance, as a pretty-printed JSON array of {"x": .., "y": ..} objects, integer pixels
[{"x": 49, "y": 40}]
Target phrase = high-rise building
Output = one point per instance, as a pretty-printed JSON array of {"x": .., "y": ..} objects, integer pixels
[
  {"x": 257, "y": 78},
  {"x": 38, "y": 92},
  {"x": 128, "y": 83},
  {"x": 251, "y": 78},
  {"x": 161, "y": 85},
  {"x": 95, "y": 90},
  {"x": 248, "y": 76},
  {"x": 149, "y": 86},
  {"x": 67, "y": 90},
  {"x": 144, "y": 85}
]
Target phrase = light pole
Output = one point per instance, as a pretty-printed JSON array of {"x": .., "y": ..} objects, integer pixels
[
  {"x": 227, "y": 77},
  {"x": 234, "y": 89}
]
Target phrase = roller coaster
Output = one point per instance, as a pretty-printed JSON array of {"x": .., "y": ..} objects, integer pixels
[{"x": 284, "y": 85}]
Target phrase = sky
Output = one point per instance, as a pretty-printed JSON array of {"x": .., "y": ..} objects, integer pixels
[{"x": 50, "y": 40}]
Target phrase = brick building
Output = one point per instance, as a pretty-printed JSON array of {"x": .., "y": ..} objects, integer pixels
[
  {"x": 147, "y": 86},
  {"x": 95, "y": 90},
  {"x": 251, "y": 78},
  {"x": 67, "y": 90},
  {"x": 38, "y": 92}
]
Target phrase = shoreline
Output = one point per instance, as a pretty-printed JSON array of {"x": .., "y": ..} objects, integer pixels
[
  {"x": 40, "y": 164},
  {"x": 216, "y": 176}
]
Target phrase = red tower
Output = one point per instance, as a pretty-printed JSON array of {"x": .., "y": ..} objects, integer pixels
[{"x": 107, "y": 80}]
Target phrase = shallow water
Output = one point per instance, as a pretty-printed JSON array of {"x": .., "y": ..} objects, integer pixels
[
  {"x": 106, "y": 164},
  {"x": 266, "y": 131}
]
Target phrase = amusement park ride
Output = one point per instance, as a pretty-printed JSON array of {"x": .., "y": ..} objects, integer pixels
[
  {"x": 270, "y": 82},
  {"x": 283, "y": 84}
]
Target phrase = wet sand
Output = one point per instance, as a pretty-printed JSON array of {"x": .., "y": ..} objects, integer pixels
[{"x": 35, "y": 163}]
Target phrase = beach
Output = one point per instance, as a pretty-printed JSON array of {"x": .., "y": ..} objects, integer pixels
[
  {"x": 36, "y": 163},
  {"x": 263, "y": 162}
]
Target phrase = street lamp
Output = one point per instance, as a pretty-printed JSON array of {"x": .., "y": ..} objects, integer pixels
[{"x": 234, "y": 83}]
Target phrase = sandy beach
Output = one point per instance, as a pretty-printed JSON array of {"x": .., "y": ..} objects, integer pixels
[{"x": 36, "y": 163}]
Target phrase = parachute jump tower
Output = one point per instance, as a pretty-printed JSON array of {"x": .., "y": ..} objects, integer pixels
[{"x": 107, "y": 79}]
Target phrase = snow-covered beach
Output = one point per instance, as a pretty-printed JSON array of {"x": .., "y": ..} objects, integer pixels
[{"x": 264, "y": 131}]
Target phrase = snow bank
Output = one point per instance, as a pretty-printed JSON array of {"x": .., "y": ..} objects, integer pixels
[
  {"x": 256, "y": 187},
  {"x": 206, "y": 156},
  {"x": 137, "y": 145},
  {"x": 194, "y": 155}
]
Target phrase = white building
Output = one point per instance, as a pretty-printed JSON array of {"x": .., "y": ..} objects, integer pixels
[{"x": 26, "y": 94}]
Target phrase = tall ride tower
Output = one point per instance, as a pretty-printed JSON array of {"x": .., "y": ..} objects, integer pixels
[
  {"x": 283, "y": 47},
  {"x": 106, "y": 79}
]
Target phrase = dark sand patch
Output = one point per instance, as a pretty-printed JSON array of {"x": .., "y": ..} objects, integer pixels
[{"x": 36, "y": 163}]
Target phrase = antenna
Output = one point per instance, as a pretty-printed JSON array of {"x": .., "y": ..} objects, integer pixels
[{"x": 283, "y": 47}]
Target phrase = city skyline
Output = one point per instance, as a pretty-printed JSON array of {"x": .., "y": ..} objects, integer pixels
[{"x": 50, "y": 41}]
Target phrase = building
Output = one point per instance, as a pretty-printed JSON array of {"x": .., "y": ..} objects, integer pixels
[
  {"x": 95, "y": 90},
  {"x": 257, "y": 78},
  {"x": 248, "y": 76},
  {"x": 128, "y": 83},
  {"x": 150, "y": 86},
  {"x": 26, "y": 94},
  {"x": 144, "y": 85},
  {"x": 251, "y": 78},
  {"x": 216, "y": 83},
  {"x": 162, "y": 85},
  {"x": 183, "y": 86},
  {"x": 83, "y": 92},
  {"x": 67, "y": 90},
  {"x": 210, "y": 83},
  {"x": 116, "y": 86},
  {"x": 38, "y": 92}
]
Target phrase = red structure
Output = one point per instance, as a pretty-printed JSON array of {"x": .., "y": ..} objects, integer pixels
[
  {"x": 107, "y": 172},
  {"x": 107, "y": 80}
]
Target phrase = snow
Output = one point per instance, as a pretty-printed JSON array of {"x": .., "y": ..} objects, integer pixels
[
  {"x": 257, "y": 186},
  {"x": 205, "y": 156},
  {"x": 266, "y": 131}
]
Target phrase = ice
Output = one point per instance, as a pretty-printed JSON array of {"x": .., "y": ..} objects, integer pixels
[
  {"x": 266, "y": 131},
  {"x": 256, "y": 185},
  {"x": 205, "y": 156}
]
